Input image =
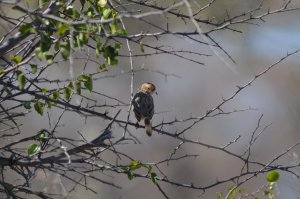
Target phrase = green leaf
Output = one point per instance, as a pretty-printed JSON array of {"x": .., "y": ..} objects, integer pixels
[
  {"x": 102, "y": 3},
  {"x": 122, "y": 32},
  {"x": 45, "y": 42},
  {"x": 82, "y": 2},
  {"x": 26, "y": 28},
  {"x": 83, "y": 78},
  {"x": 62, "y": 28},
  {"x": 21, "y": 79},
  {"x": 110, "y": 55},
  {"x": 44, "y": 90},
  {"x": 1, "y": 70},
  {"x": 69, "y": 91},
  {"x": 39, "y": 53},
  {"x": 232, "y": 190},
  {"x": 142, "y": 47},
  {"x": 46, "y": 22},
  {"x": 8, "y": 189},
  {"x": 271, "y": 185},
  {"x": 117, "y": 47},
  {"x": 16, "y": 58},
  {"x": 56, "y": 46},
  {"x": 102, "y": 67},
  {"x": 113, "y": 27},
  {"x": 33, "y": 149},
  {"x": 42, "y": 2},
  {"x": 49, "y": 58},
  {"x": 56, "y": 95},
  {"x": 39, "y": 108},
  {"x": 134, "y": 162},
  {"x": 27, "y": 105},
  {"x": 80, "y": 27},
  {"x": 65, "y": 50},
  {"x": 272, "y": 176},
  {"x": 82, "y": 39},
  {"x": 49, "y": 104},
  {"x": 134, "y": 165},
  {"x": 33, "y": 68},
  {"x": 124, "y": 168},
  {"x": 109, "y": 51},
  {"x": 148, "y": 167},
  {"x": 130, "y": 175},
  {"x": 153, "y": 177},
  {"x": 89, "y": 83},
  {"x": 78, "y": 87},
  {"x": 41, "y": 135},
  {"x": 99, "y": 48},
  {"x": 73, "y": 12},
  {"x": 268, "y": 193},
  {"x": 90, "y": 12},
  {"x": 219, "y": 195},
  {"x": 106, "y": 13}
]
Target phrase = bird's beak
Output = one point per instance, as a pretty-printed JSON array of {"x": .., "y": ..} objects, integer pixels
[{"x": 156, "y": 93}]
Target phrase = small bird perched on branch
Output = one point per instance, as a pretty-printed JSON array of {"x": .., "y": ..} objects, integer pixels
[{"x": 143, "y": 106}]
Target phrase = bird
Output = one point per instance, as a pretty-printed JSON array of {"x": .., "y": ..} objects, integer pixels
[
  {"x": 143, "y": 105},
  {"x": 97, "y": 142}
]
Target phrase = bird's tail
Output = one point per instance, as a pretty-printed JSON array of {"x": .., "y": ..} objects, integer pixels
[{"x": 148, "y": 126}]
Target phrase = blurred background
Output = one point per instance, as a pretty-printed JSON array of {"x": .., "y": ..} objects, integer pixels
[{"x": 192, "y": 89}]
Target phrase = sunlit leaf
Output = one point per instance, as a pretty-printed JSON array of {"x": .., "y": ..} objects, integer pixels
[
  {"x": 39, "y": 53},
  {"x": 232, "y": 190},
  {"x": 106, "y": 13},
  {"x": 102, "y": 3},
  {"x": 272, "y": 176},
  {"x": 113, "y": 28},
  {"x": 134, "y": 165},
  {"x": 16, "y": 58}
]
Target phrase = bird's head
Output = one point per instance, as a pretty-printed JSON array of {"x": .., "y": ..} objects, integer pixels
[{"x": 147, "y": 88}]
